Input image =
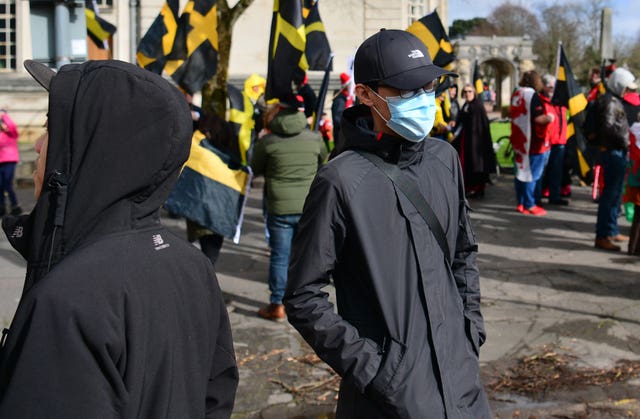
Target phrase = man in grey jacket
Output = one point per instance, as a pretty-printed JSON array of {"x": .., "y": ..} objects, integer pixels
[{"x": 406, "y": 335}]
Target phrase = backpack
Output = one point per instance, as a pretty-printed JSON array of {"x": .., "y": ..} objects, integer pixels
[{"x": 606, "y": 123}]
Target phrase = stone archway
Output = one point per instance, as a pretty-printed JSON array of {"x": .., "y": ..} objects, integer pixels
[{"x": 501, "y": 59}]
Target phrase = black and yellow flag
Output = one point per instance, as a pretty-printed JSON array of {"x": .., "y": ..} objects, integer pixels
[
  {"x": 477, "y": 79},
  {"x": 194, "y": 57},
  {"x": 157, "y": 43},
  {"x": 98, "y": 29},
  {"x": 212, "y": 189},
  {"x": 241, "y": 118},
  {"x": 430, "y": 31},
  {"x": 567, "y": 93},
  {"x": 286, "y": 48},
  {"x": 317, "y": 49}
]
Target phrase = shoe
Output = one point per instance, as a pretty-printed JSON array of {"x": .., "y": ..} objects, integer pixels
[
  {"x": 565, "y": 191},
  {"x": 606, "y": 244},
  {"x": 619, "y": 238},
  {"x": 558, "y": 202},
  {"x": 545, "y": 192},
  {"x": 537, "y": 211},
  {"x": 272, "y": 312},
  {"x": 520, "y": 208}
]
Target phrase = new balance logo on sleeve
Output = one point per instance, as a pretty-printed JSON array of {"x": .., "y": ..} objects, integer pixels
[{"x": 158, "y": 242}]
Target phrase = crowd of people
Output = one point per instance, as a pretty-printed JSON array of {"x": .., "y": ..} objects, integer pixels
[
  {"x": 132, "y": 317},
  {"x": 539, "y": 140}
]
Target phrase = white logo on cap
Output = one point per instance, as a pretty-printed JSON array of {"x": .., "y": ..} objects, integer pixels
[{"x": 416, "y": 53}]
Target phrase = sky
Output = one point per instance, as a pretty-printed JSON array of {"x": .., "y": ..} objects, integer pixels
[{"x": 625, "y": 19}]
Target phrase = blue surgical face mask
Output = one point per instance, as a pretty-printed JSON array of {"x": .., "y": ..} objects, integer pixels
[{"x": 411, "y": 117}]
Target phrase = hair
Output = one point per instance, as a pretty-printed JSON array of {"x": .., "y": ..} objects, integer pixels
[
  {"x": 548, "y": 80},
  {"x": 532, "y": 79},
  {"x": 595, "y": 70},
  {"x": 469, "y": 85}
]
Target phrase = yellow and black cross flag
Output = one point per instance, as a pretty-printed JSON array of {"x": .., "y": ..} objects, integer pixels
[
  {"x": 286, "y": 48},
  {"x": 317, "y": 47},
  {"x": 98, "y": 29},
  {"x": 194, "y": 57},
  {"x": 567, "y": 93},
  {"x": 241, "y": 118},
  {"x": 430, "y": 31},
  {"x": 157, "y": 43}
]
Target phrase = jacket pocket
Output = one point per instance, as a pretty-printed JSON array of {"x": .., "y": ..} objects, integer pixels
[
  {"x": 472, "y": 335},
  {"x": 386, "y": 380}
]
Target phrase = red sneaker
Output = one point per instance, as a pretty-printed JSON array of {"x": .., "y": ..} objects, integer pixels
[
  {"x": 520, "y": 208},
  {"x": 536, "y": 210}
]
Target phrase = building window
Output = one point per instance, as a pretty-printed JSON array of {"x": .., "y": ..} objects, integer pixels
[
  {"x": 7, "y": 35},
  {"x": 104, "y": 3},
  {"x": 415, "y": 10}
]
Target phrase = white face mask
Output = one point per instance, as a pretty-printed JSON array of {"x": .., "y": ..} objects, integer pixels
[{"x": 413, "y": 117}]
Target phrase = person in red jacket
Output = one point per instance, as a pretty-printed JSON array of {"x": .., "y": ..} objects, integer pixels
[
  {"x": 557, "y": 135},
  {"x": 9, "y": 158}
]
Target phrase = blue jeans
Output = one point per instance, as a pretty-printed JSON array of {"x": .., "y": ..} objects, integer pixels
[
  {"x": 614, "y": 163},
  {"x": 555, "y": 171},
  {"x": 527, "y": 193},
  {"x": 7, "y": 171},
  {"x": 281, "y": 230}
]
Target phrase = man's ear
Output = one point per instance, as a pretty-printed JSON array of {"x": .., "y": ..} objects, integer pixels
[{"x": 364, "y": 94}]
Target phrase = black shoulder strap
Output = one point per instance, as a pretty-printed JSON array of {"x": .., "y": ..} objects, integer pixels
[{"x": 410, "y": 190}]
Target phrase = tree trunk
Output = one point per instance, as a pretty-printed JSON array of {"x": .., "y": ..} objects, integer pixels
[{"x": 214, "y": 93}]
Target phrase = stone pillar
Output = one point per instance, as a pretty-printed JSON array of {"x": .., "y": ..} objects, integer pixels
[
  {"x": 62, "y": 23},
  {"x": 23, "y": 35},
  {"x": 606, "y": 45}
]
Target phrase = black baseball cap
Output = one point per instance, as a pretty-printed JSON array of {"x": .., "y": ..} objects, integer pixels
[
  {"x": 40, "y": 72},
  {"x": 395, "y": 58}
]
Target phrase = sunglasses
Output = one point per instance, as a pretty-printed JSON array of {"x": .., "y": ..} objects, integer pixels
[{"x": 467, "y": 91}]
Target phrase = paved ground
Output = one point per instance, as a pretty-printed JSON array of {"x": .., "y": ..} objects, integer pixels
[{"x": 559, "y": 314}]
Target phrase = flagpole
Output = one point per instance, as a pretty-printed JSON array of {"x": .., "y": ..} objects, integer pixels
[
  {"x": 322, "y": 93},
  {"x": 558, "y": 59}
]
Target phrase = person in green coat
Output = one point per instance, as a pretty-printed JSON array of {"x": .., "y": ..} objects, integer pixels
[{"x": 288, "y": 158}]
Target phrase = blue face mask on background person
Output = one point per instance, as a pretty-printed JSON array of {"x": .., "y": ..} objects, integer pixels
[{"x": 412, "y": 118}]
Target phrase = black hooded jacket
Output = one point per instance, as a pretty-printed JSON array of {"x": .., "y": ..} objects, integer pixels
[
  {"x": 408, "y": 328},
  {"x": 118, "y": 318}
]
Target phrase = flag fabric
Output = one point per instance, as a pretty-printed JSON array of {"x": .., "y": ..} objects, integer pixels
[
  {"x": 98, "y": 29},
  {"x": 194, "y": 57},
  {"x": 241, "y": 118},
  {"x": 521, "y": 128},
  {"x": 567, "y": 93},
  {"x": 317, "y": 49},
  {"x": 477, "y": 80},
  {"x": 157, "y": 43},
  {"x": 212, "y": 190},
  {"x": 287, "y": 60},
  {"x": 430, "y": 30}
]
